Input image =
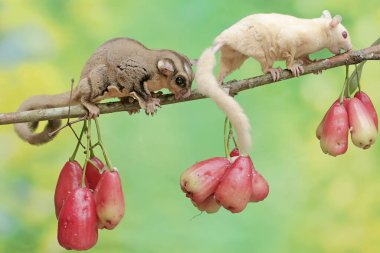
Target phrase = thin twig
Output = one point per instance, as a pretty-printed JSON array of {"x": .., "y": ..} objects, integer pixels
[
  {"x": 69, "y": 124},
  {"x": 349, "y": 58}
]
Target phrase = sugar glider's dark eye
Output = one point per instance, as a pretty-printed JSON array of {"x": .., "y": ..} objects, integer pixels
[
  {"x": 344, "y": 34},
  {"x": 180, "y": 81}
]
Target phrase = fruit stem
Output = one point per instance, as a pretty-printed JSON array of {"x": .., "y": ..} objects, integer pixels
[
  {"x": 72, "y": 158},
  {"x": 91, "y": 149},
  {"x": 226, "y": 149},
  {"x": 100, "y": 142},
  {"x": 232, "y": 135},
  {"x": 357, "y": 77},
  {"x": 88, "y": 134},
  {"x": 345, "y": 89}
]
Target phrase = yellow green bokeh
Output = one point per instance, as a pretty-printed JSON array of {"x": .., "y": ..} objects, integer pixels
[{"x": 316, "y": 203}]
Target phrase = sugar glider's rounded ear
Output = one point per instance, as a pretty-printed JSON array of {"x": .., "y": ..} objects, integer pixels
[
  {"x": 166, "y": 66},
  {"x": 188, "y": 69},
  {"x": 335, "y": 21},
  {"x": 326, "y": 14}
]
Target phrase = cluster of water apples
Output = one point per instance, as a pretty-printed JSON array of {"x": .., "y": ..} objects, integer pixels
[
  {"x": 219, "y": 181},
  {"x": 356, "y": 115},
  {"x": 85, "y": 200}
]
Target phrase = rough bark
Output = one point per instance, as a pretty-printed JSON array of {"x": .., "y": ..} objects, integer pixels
[{"x": 349, "y": 58}]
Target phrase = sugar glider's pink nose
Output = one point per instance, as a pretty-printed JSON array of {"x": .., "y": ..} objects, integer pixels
[{"x": 187, "y": 94}]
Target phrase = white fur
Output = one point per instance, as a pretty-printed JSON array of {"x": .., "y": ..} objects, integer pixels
[
  {"x": 272, "y": 37},
  {"x": 266, "y": 38},
  {"x": 208, "y": 86}
]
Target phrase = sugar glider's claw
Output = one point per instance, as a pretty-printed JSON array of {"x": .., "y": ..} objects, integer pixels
[
  {"x": 152, "y": 105},
  {"x": 93, "y": 111},
  {"x": 133, "y": 111},
  {"x": 275, "y": 73},
  {"x": 296, "y": 70}
]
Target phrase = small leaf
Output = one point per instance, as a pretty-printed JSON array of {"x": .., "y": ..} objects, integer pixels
[{"x": 354, "y": 79}]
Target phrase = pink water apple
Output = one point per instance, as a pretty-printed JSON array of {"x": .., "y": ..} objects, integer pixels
[
  {"x": 362, "y": 126},
  {"x": 364, "y": 98},
  {"x": 200, "y": 180},
  {"x": 260, "y": 187},
  {"x": 319, "y": 129},
  {"x": 109, "y": 199},
  {"x": 235, "y": 188},
  {"x": 209, "y": 205},
  {"x": 334, "y": 137}
]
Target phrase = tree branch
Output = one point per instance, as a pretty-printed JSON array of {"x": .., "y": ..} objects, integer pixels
[{"x": 349, "y": 58}]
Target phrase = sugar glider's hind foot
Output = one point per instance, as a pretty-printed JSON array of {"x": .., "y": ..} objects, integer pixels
[
  {"x": 93, "y": 109},
  {"x": 150, "y": 105},
  {"x": 93, "y": 112},
  {"x": 306, "y": 61},
  {"x": 296, "y": 70},
  {"x": 275, "y": 73},
  {"x": 129, "y": 100},
  {"x": 133, "y": 111}
]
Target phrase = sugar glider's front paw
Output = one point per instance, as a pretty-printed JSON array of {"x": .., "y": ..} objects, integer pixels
[{"x": 151, "y": 106}]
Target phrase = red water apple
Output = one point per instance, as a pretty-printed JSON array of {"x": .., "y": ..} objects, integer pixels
[
  {"x": 334, "y": 137},
  {"x": 362, "y": 126},
  {"x": 235, "y": 152},
  {"x": 235, "y": 188},
  {"x": 93, "y": 173},
  {"x": 77, "y": 224},
  {"x": 201, "y": 179},
  {"x": 69, "y": 180},
  {"x": 109, "y": 200}
]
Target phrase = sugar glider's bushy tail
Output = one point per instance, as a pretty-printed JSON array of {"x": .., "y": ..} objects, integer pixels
[
  {"x": 26, "y": 131},
  {"x": 209, "y": 86}
]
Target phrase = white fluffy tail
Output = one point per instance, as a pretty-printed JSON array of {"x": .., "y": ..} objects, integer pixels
[{"x": 209, "y": 86}]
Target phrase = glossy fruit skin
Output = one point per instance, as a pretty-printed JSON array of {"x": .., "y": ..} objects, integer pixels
[
  {"x": 209, "y": 205},
  {"x": 260, "y": 187},
  {"x": 69, "y": 180},
  {"x": 364, "y": 98},
  {"x": 362, "y": 126},
  {"x": 202, "y": 179},
  {"x": 92, "y": 173},
  {"x": 319, "y": 130},
  {"x": 334, "y": 137},
  {"x": 109, "y": 200},
  {"x": 235, "y": 188},
  {"x": 77, "y": 222}
]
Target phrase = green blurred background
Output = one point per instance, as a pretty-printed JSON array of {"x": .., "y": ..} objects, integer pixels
[{"x": 317, "y": 203}]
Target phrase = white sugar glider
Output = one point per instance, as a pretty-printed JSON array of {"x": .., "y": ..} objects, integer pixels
[{"x": 266, "y": 38}]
